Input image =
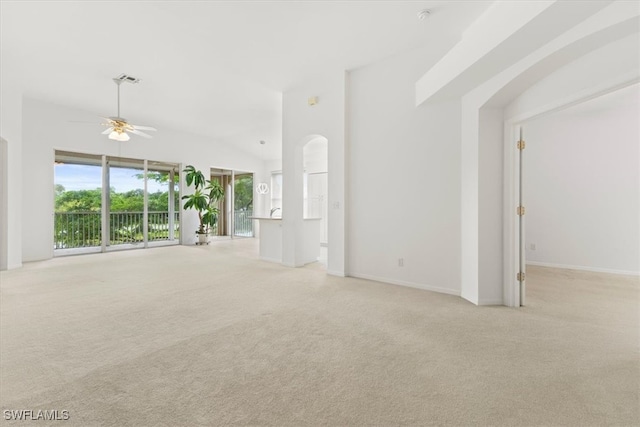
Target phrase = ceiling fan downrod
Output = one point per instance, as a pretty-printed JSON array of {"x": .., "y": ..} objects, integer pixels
[{"x": 118, "y": 82}]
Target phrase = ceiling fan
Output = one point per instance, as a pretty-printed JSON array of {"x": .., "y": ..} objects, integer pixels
[{"x": 118, "y": 127}]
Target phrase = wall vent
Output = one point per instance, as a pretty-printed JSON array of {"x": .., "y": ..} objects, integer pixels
[{"x": 127, "y": 78}]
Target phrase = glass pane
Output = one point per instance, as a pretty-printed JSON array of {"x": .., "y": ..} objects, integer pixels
[
  {"x": 163, "y": 211},
  {"x": 276, "y": 193},
  {"x": 243, "y": 205},
  {"x": 78, "y": 201},
  {"x": 220, "y": 227},
  {"x": 126, "y": 202}
]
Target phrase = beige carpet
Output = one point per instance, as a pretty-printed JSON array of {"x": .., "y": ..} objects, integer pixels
[{"x": 186, "y": 336}]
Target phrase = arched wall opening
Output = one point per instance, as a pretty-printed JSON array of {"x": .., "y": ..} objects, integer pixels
[
  {"x": 492, "y": 116},
  {"x": 315, "y": 189},
  {"x": 515, "y": 190},
  {"x": 301, "y": 234}
]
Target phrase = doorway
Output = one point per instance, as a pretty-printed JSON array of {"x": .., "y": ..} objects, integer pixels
[
  {"x": 579, "y": 188},
  {"x": 581, "y": 184},
  {"x": 236, "y": 207},
  {"x": 315, "y": 189}
]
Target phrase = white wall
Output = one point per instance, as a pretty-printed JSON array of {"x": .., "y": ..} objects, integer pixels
[
  {"x": 404, "y": 185},
  {"x": 47, "y": 127},
  {"x": 11, "y": 131},
  {"x": 4, "y": 206},
  {"x": 490, "y": 201},
  {"x": 582, "y": 185}
]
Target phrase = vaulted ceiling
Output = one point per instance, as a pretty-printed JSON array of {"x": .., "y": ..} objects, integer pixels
[{"x": 214, "y": 68}]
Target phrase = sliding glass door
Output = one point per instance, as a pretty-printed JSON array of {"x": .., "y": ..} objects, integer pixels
[
  {"x": 164, "y": 202},
  {"x": 108, "y": 203},
  {"x": 242, "y": 204},
  {"x": 126, "y": 203},
  {"x": 236, "y": 207},
  {"x": 77, "y": 218}
]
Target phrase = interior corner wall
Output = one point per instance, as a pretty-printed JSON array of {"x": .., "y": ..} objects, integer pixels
[
  {"x": 469, "y": 199},
  {"x": 404, "y": 183},
  {"x": 48, "y": 127},
  {"x": 4, "y": 207},
  {"x": 490, "y": 207},
  {"x": 300, "y": 120},
  {"x": 582, "y": 187},
  {"x": 11, "y": 132}
]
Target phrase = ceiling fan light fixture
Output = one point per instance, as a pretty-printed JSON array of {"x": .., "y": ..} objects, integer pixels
[
  {"x": 118, "y": 127},
  {"x": 423, "y": 15},
  {"x": 119, "y": 136}
]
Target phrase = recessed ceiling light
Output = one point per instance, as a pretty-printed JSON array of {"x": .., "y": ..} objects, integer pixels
[{"x": 424, "y": 14}]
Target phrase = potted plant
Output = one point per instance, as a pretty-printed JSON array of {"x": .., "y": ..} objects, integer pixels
[{"x": 204, "y": 198}]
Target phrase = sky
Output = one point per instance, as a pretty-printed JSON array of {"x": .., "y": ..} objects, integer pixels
[{"x": 86, "y": 177}]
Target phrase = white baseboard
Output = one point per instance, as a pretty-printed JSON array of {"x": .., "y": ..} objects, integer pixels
[
  {"x": 263, "y": 258},
  {"x": 336, "y": 273},
  {"x": 13, "y": 266},
  {"x": 583, "y": 268},
  {"x": 405, "y": 283},
  {"x": 491, "y": 302}
]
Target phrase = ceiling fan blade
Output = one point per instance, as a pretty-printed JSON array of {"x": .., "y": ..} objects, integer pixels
[
  {"x": 137, "y": 132},
  {"x": 144, "y": 127},
  {"x": 108, "y": 130}
]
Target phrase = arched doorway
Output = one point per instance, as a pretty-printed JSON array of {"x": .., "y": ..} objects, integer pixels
[{"x": 315, "y": 189}]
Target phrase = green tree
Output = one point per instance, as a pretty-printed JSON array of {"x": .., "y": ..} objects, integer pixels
[
  {"x": 78, "y": 201},
  {"x": 243, "y": 189},
  {"x": 130, "y": 201},
  {"x": 157, "y": 176}
]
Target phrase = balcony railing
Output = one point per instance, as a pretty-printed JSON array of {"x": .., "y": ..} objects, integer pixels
[
  {"x": 243, "y": 224},
  {"x": 84, "y": 229}
]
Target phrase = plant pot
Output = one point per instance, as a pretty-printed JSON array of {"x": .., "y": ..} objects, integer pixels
[{"x": 203, "y": 238}]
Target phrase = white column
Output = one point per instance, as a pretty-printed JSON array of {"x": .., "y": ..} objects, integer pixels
[
  {"x": 145, "y": 208},
  {"x": 172, "y": 202},
  {"x": 106, "y": 201}
]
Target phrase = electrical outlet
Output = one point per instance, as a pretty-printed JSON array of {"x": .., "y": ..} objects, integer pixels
[
  {"x": 400, "y": 262},
  {"x": 336, "y": 205},
  {"x": 532, "y": 246}
]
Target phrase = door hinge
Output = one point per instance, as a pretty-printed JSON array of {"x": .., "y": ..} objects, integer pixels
[
  {"x": 520, "y": 277},
  {"x": 521, "y": 144},
  {"x": 520, "y": 210}
]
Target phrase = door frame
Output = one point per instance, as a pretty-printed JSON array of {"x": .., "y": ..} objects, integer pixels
[
  {"x": 511, "y": 167},
  {"x": 228, "y": 208}
]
